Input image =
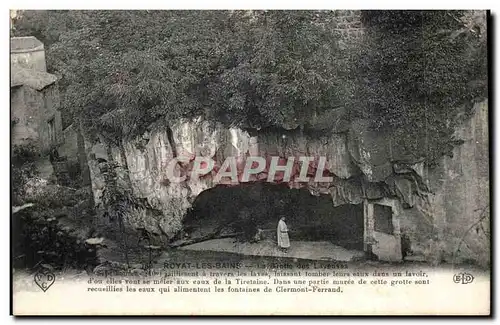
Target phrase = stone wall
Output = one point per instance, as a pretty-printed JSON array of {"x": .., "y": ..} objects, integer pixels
[
  {"x": 453, "y": 224},
  {"x": 23, "y": 118},
  {"x": 32, "y": 110},
  {"x": 35, "y": 98},
  {"x": 348, "y": 23},
  {"x": 386, "y": 246},
  {"x": 28, "y": 52},
  {"x": 69, "y": 145}
]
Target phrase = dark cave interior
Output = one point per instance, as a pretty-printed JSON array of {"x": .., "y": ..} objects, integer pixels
[{"x": 246, "y": 207}]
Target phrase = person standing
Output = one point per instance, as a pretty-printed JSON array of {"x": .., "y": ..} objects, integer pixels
[{"x": 282, "y": 234}]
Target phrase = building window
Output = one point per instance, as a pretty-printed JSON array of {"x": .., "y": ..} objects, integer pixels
[
  {"x": 383, "y": 219},
  {"x": 52, "y": 131}
]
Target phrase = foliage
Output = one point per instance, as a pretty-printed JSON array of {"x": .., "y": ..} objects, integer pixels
[
  {"x": 40, "y": 238},
  {"x": 124, "y": 72},
  {"x": 22, "y": 169},
  {"x": 118, "y": 201},
  {"x": 23, "y": 154},
  {"x": 416, "y": 70},
  {"x": 281, "y": 68}
]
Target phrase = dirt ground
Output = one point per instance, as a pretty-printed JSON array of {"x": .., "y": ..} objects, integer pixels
[{"x": 314, "y": 250}]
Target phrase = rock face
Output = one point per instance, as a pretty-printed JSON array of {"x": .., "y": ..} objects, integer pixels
[
  {"x": 364, "y": 166},
  {"x": 457, "y": 212}
]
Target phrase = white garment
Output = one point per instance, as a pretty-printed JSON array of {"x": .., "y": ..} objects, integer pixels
[{"x": 282, "y": 234}]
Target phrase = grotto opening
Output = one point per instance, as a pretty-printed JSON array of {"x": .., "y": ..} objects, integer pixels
[{"x": 250, "y": 208}]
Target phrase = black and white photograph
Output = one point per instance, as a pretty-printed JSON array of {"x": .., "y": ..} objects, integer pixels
[{"x": 250, "y": 162}]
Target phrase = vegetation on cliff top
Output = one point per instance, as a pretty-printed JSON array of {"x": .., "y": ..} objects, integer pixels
[
  {"x": 419, "y": 72},
  {"x": 124, "y": 72}
]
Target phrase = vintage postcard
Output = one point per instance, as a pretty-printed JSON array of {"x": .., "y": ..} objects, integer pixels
[{"x": 250, "y": 162}]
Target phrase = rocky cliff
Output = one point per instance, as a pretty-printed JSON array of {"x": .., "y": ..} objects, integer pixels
[
  {"x": 458, "y": 207},
  {"x": 439, "y": 204}
]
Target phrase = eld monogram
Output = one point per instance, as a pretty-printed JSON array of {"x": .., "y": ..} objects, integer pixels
[{"x": 463, "y": 278}]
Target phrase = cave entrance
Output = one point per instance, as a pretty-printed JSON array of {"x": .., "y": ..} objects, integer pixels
[{"x": 248, "y": 206}]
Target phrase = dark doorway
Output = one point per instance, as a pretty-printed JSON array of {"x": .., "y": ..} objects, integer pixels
[
  {"x": 383, "y": 219},
  {"x": 260, "y": 205},
  {"x": 52, "y": 131}
]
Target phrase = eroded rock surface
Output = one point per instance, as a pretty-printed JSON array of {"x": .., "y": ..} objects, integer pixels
[{"x": 365, "y": 165}]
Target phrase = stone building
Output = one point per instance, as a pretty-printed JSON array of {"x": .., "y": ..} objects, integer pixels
[{"x": 35, "y": 114}]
